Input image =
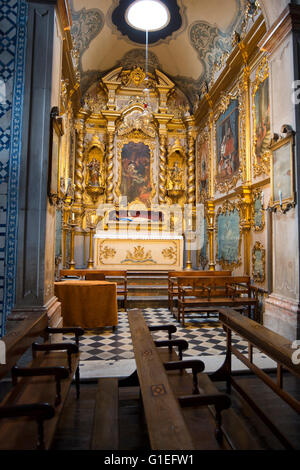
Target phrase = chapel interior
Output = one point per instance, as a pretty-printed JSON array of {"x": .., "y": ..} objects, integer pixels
[{"x": 135, "y": 152}]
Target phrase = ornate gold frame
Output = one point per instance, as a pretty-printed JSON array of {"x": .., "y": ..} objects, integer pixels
[
  {"x": 135, "y": 136},
  {"x": 235, "y": 94},
  {"x": 256, "y": 278},
  {"x": 203, "y": 136},
  {"x": 262, "y": 166},
  {"x": 257, "y": 195},
  {"x": 224, "y": 209},
  {"x": 286, "y": 202}
]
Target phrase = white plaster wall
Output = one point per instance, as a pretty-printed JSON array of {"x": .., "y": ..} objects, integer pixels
[
  {"x": 272, "y": 9},
  {"x": 285, "y": 227}
]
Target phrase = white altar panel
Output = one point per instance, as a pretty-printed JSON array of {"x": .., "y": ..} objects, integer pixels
[{"x": 137, "y": 251}]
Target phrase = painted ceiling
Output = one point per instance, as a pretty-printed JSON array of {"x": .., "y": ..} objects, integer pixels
[{"x": 186, "y": 53}]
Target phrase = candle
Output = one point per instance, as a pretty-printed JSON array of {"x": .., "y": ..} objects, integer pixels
[
  {"x": 262, "y": 198},
  {"x": 73, "y": 216},
  {"x": 280, "y": 197}
]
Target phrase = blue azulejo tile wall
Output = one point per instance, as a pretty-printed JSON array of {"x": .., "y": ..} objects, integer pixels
[{"x": 13, "y": 18}]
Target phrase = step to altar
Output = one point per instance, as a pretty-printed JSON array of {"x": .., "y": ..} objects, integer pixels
[
  {"x": 157, "y": 301},
  {"x": 147, "y": 290}
]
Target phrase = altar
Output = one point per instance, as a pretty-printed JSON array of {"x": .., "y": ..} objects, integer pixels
[{"x": 138, "y": 250}]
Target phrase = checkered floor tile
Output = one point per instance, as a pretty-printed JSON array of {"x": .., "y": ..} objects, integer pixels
[{"x": 205, "y": 337}]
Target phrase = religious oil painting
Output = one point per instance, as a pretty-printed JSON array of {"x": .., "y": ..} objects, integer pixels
[
  {"x": 227, "y": 142},
  {"x": 56, "y": 131},
  {"x": 203, "y": 156},
  {"x": 258, "y": 212},
  {"x": 258, "y": 262},
  {"x": 262, "y": 119},
  {"x": 136, "y": 172},
  {"x": 228, "y": 237},
  {"x": 282, "y": 170},
  {"x": 203, "y": 252}
]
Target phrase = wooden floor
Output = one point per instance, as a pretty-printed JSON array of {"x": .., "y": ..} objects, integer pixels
[{"x": 74, "y": 430}]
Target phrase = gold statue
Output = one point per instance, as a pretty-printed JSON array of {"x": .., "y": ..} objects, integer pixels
[{"x": 175, "y": 177}]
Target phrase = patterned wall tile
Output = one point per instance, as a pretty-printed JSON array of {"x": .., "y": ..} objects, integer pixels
[{"x": 13, "y": 17}]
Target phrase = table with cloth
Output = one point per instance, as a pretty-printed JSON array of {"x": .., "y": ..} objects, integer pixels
[{"x": 89, "y": 304}]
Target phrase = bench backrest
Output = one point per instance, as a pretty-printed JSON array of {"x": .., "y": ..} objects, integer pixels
[
  {"x": 120, "y": 276},
  {"x": 83, "y": 272},
  {"x": 175, "y": 274},
  {"x": 215, "y": 286},
  {"x": 20, "y": 339}
]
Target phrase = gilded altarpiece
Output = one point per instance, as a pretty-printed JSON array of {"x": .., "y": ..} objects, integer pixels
[{"x": 228, "y": 235}]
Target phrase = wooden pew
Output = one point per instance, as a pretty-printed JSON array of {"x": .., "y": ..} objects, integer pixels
[
  {"x": 120, "y": 277},
  {"x": 275, "y": 346},
  {"x": 173, "y": 281},
  {"x": 199, "y": 294},
  {"x": 202, "y": 427},
  {"x": 170, "y": 410},
  {"x": 30, "y": 411}
]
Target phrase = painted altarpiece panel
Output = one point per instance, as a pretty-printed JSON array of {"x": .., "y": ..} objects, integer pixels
[
  {"x": 228, "y": 236},
  {"x": 261, "y": 120},
  {"x": 135, "y": 158},
  {"x": 229, "y": 136},
  {"x": 258, "y": 215},
  {"x": 203, "y": 165},
  {"x": 203, "y": 260},
  {"x": 258, "y": 262}
]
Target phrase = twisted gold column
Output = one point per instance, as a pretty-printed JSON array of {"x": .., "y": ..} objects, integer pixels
[
  {"x": 211, "y": 232},
  {"x": 246, "y": 227},
  {"x": 79, "y": 164},
  {"x": 162, "y": 191},
  {"x": 191, "y": 170},
  {"x": 110, "y": 168}
]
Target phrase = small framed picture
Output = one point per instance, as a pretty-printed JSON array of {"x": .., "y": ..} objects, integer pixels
[
  {"x": 56, "y": 132},
  {"x": 258, "y": 262},
  {"x": 282, "y": 170}
]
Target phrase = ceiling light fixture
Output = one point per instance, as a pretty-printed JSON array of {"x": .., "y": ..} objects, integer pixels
[{"x": 147, "y": 15}]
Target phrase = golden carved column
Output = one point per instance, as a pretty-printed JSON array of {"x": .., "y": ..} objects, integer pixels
[
  {"x": 80, "y": 130},
  {"x": 162, "y": 119},
  {"x": 65, "y": 230},
  {"x": 211, "y": 233},
  {"x": 162, "y": 190},
  {"x": 246, "y": 79},
  {"x": 246, "y": 226},
  {"x": 111, "y": 117},
  {"x": 191, "y": 167},
  {"x": 110, "y": 168}
]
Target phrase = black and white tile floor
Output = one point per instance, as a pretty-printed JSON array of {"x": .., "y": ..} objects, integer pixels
[{"x": 206, "y": 337}]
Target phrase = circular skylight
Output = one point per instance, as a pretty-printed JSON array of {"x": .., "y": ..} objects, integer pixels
[{"x": 147, "y": 15}]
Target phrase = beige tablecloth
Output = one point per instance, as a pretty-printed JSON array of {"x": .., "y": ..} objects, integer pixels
[{"x": 89, "y": 304}]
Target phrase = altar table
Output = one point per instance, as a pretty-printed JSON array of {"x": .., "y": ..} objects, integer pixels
[
  {"x": 89, "y": 304},
  {"x": 138, "y": 251}
]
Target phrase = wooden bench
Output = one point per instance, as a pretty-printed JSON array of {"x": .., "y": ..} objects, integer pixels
[
  {"x": 31, "y": 409},
  {"x": 173, "y": 282},
  {"x": 276, "y": 347},
  {"x": 170, "y": 409},
  {"x": 202, "y": 418},
  {"x": 120, "y": 277},
  {"x": 201, "y": 294}
]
